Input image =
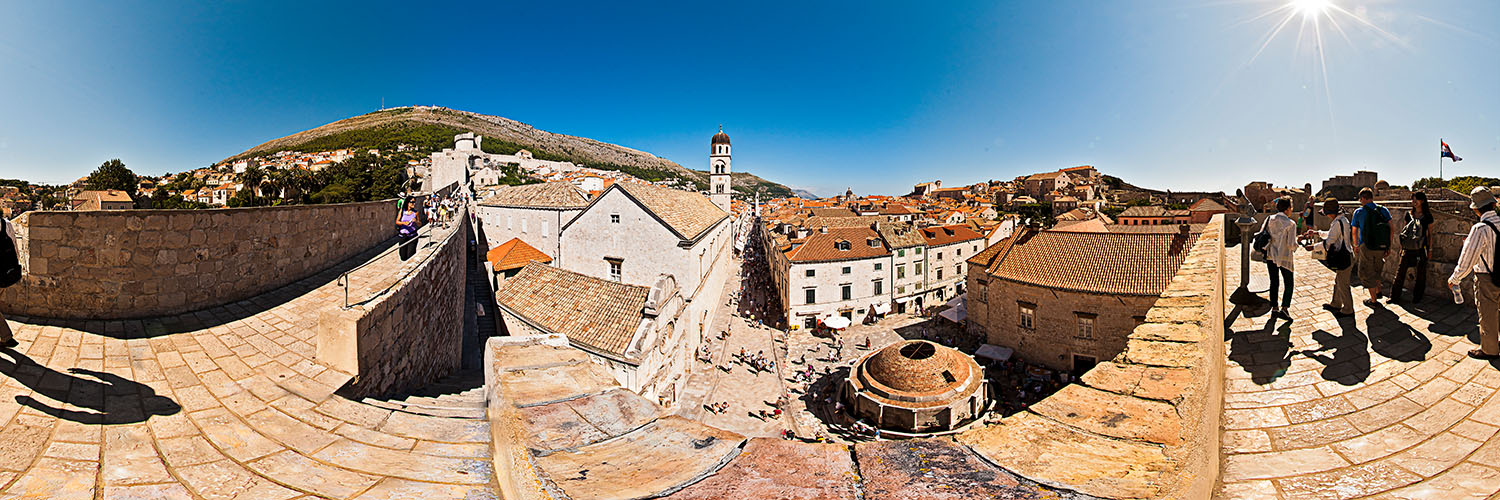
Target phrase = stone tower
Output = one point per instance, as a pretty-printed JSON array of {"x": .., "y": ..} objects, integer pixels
[{"x": 718, "y": 170}]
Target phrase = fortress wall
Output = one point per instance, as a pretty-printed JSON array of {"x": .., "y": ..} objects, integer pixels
[
  {"x": 410, "y": 335},
  {"x": 143, "y": 263}
]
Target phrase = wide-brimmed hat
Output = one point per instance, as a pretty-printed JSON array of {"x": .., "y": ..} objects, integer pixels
[
  {"x": 1331, "y": 207},
  {"x": 1481, "y": 196}
]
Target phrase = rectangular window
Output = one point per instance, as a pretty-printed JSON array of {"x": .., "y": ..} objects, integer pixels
[
  {"x": 960, "y": 251},
  {"x": 1028, "y": 315},
  {"x": 812, "y": 295},
  {"x": 900, "y": 271},
  {"x": 917, "y": 268},
  {"x": 918, "y": 250},
  {"x": 847, "y": 291},
  {"x": 879, "y": 287},
  {"x": 811, "y": 273},
  {"x": 940, "y": 273},
  {"x": 958, "y": 269},
  {"x": 614, "y": 218},
  {"x": 1085, "y": 326},
  {"x": 845, "y": 270},
  {"x": 544, "y": 228},
  {"x": 878, "y": 266},
  {"x": 508, "y": 226},
  {"x": 900, "y": 289},
  {"x": 523, "y": 224},
  {"x": 615, "y": 266},
  {"x": 810, "y": 322},
  {"x": 901, "y": 253},
  {"x": 940, "y": 256}
]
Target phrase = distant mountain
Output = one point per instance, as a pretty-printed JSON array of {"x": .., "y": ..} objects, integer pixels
[
  {"x": 429, "y": 128},
  {"x": 805, "y": 194}
]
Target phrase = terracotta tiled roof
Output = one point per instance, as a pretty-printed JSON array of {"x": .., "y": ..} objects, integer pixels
[
  {"x": 943, "y": 235},
  {"x": 1108, "y": 263},
  {"x": 598, "y": 314},
  {"x": 1207, "y": 205},
  {"x": 820, "y": 247},
  {"x": 833, "y": 212},
  {"x": 687, "y": 213},
  {"x": 816, "y": 222},
  {"x": 544, "y": 195},
  {"x": 901, "y": 235},
  {"x": 1152, "y": 211},
  {"x": 514, "y": 254}
]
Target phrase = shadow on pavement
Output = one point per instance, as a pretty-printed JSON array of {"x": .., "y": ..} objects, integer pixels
[
  {"x": 1264, "y": 351},
  {"x": 1394, "y": 339},
  {"x": 113, "y": 399},
  {"x": 1349, "y": 363}
]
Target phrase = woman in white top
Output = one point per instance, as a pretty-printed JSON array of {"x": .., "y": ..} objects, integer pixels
[
  {"x": 1280, "y": 253},
  {"x": 1337, "y": 237}
]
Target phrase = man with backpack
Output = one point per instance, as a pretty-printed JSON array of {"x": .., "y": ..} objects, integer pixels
[
  {"x": 1372, "y": 240},
  {"x": 1480, "y": 256}
]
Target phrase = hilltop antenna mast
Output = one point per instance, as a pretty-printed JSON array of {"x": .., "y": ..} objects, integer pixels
[{"x": 382, "y": 103}]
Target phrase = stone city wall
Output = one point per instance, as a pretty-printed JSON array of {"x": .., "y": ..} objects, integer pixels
[
  {"x": 143, "y": 263},
  {"x": 410, "y": 335},
  {"x": 1145, "y": 424}
]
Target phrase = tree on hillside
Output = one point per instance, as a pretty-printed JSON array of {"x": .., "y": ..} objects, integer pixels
[
  {"x": 1462, "y": 184},
  {"x": 112, "y": 174},
  {"x": 362, "y": 177}
]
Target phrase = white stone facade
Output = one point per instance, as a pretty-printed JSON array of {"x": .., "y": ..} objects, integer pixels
[
  {"x": 828, "y": 282},
  {"x": 539, "y": 227}
]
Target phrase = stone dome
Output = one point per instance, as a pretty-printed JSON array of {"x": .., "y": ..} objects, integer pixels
[
  {"x": 720, "y": 138},
  {"x": 917, "y": 366}
]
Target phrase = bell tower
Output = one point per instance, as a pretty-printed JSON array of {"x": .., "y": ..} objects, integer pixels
[{"x": 718, "y": 170}]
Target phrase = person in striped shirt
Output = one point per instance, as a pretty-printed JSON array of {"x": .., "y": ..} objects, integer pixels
[{"x": 1478, "y": 258}]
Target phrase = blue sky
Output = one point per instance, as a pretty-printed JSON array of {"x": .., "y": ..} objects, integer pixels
[{"x": 870, "y": 95}]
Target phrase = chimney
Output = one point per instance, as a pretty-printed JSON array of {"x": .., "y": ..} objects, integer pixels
[
  {"x": 823, "y": 229},
  {"x": 1179, "y": 241}
]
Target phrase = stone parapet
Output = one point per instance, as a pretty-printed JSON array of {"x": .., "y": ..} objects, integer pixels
[
  {"x": 1145, "y": 424},
  {"x": 123, "y": 264},
  {"x": 404, "y": 329}
]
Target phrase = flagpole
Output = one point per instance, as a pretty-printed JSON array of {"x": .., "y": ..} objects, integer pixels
[{"x": 1440, "y": 158}]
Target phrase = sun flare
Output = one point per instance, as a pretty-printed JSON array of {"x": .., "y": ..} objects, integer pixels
[{"x": 1311, "y": 8}]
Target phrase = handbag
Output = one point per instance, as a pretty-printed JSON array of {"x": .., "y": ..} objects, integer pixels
[{"x": 1339, "y": 259}]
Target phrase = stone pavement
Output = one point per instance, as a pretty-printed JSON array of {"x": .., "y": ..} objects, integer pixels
[
  {"x": 222, "y": 403},
  {"x": 1383, "y": 405},
  {"x": 744, "y": 390}
]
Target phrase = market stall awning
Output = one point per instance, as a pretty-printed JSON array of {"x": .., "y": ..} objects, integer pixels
[
  {"x": 836, "y": 322},
  {"x": 995, "y": 352},
  {"x": 882, "y": 308}
]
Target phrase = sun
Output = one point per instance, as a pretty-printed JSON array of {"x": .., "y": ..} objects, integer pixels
[{"x": 1311, "y": 8}]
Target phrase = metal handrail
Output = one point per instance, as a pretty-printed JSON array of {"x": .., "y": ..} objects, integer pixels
[{"x": 427, "y": 229}]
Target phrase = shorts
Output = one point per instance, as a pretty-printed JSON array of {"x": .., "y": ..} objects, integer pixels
[{"x": 1371, "y": 267}]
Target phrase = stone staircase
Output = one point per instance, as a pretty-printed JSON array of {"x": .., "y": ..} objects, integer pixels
[{"x": 458, "y": 396}]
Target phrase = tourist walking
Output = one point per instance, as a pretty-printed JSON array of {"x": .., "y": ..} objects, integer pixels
[
  {"x": 406, "y": 228},
  {"x": 1338, "y": 256},
  {"x": 1480, "y": 257},
  {"x": 1372, "y": 240},
  {"x": 1280, "y": 253},
  {"x": 1416, "y": 248}
]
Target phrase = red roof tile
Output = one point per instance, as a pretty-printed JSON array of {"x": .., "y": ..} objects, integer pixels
[{"x": 514, "y": 254}]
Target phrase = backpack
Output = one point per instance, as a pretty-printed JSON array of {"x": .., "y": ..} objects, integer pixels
[
  {"x": 10, "y": 264},
  {"x": 1411, "y": 235},
  {"x": 1376, "y": 235},
  {"x": 1494, "y": 273}
]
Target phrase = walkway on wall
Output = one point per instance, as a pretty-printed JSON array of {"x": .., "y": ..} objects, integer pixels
[
  {"x": 228, "y": 402},
  {"x": 1383, "y": 404}
]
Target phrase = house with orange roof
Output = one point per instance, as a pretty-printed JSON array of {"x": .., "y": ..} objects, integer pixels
[{"x": 508, "y": 258}]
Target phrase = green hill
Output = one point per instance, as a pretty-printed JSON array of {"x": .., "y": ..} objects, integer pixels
[{"x": 428, "y": 129}]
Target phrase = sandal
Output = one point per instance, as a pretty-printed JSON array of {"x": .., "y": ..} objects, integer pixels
[{"x": 1479, "y": 354}]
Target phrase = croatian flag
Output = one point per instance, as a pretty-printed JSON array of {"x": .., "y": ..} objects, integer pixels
[{"x": 1448, "y": 153}]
